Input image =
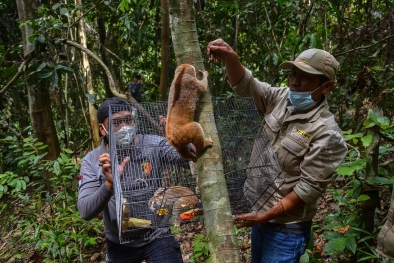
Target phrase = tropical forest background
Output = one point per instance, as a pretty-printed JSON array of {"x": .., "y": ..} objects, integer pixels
[{"x": 60, "y": 59}]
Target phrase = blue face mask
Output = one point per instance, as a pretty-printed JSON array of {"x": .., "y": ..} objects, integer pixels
[{"x": 302, "y": 100}]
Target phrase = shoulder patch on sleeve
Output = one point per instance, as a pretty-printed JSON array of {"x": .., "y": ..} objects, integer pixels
[{"x": 80, "y": 180}]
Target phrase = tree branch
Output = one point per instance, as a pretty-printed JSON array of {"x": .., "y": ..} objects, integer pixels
[
  {"x": 358, "y": 153},
  {"x": 363, "y": 47},
  {"x": 112, "y": 84},
  {"x": 28, "y": 58},
  {"x": 79, "y": 18}
]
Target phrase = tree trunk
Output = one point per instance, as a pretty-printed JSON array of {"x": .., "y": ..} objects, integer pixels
[
  {"x": 103, "y": 36},
  {"x": 369, "y": 206},
  {"x": 88, "y": 77},
  {"x": 165, "y": 43},
  {"x": 39, "y": 98},
  {"x": 212, "y": 184}
]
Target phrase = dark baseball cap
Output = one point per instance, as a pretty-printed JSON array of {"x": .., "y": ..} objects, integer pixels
[{"x": 103, "y": 110}]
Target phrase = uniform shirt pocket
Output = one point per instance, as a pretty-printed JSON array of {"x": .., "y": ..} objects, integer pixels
[
  {"x": 290, "y": 155},
  {"x": 272, "y": 122},
  {"x": 272, "y": 128}
]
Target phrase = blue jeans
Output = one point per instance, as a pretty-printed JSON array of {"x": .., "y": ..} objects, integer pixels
[
  {"x": 161, "y": 250},
  {"x": 270, "y": 246}
]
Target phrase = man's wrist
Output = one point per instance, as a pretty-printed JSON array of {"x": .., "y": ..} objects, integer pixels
[{"x": 263, "y": 218}]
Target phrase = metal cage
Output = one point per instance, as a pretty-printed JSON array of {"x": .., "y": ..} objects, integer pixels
[{"x": 155, "y": 188}]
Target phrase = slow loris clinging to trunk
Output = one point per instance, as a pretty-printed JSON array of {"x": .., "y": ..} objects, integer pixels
[{"x": 181, "y": 129}]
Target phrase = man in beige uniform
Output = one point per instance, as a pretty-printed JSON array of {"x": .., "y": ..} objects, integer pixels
[
  {"x": 385, "y": 239},
  {"x": 308, "y": 143}
]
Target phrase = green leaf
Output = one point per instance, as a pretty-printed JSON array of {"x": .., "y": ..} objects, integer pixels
[
  {"x": 335, "y": 246},
  {"x": 363, "y": 198},
  {"x": 372, "y": 119},
  {"x": 31, "y": 38},
  {"x": 347, "y": 132},
  {"x": 350, "y": 168},
  {"x": 365, "y": 238},
  {"x": 351, "y": 244},
  {"x": 54, "y": 80},
  {"x": 56, "y": 6},
  {"x": 91, "y": 98},
  {"x": 43, "y": 65},
  {"x": 124, "y": 6},
  {"x": 304, "y": 258},
  {"x": 382, "y": 171},
  {"x": 352, "y": 136},
  {"x": 384, "y": 122},
  {"x": 64, "y": 68},
  {"x": 67, "y": 150},
  {"x": 381, "y": 181},
  {"x": 368, "y": 123},
  {"x": 40, "y": 39},
  {"x": 64, "y": 157},
  {"x": 62, "y": 56},
  {"x": 275, "y": 59},
  {"x": 56, "y": 168},
  {"x": 18, "y": 185},
  {"x": 366, "y": 140},
  {"x": 63, "y": 11},
  {"x": 44, "y": 74},
  {"x": 23, "y": 184},
  {"x": 333, "y": 235}
]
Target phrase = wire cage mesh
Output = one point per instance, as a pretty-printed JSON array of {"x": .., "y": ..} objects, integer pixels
[{"x": 155, "y": 188}]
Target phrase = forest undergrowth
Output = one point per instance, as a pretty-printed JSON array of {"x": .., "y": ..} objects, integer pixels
[{"x": 49, "y": 235}]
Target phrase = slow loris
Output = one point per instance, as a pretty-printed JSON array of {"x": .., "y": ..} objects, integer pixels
[
  {"x": 181, "y": 129},
  {"x": 174, "y": 201}
]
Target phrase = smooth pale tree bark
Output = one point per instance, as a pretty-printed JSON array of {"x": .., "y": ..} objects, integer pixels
[
  {"x": 217, "y": 213},
  {"x": 165, "y": 45},
  {"x": 39, "y": 98},
  {"x": 88, "y": 77}
]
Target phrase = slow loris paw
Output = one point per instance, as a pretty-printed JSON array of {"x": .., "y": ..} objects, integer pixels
[{"x": 208, "y": 143}]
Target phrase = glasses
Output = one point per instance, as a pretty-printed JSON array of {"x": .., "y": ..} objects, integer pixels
[{"x": 128, "y": 120}]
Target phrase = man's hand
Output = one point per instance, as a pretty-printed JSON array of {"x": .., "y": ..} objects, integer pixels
[
  {"x": 218, "y": 50},
  {"x": 249, "y": 220},
  {"x": 105, "y": 162},
  {"x": 289, "y": 203},
  {"x": 162, "y": 123}
]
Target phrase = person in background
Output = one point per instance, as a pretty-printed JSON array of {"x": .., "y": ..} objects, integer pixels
[
  {"x": 96, "y": 188},
  {"x": 306, "y": 139},
  {"x": 137, "y": 88}
]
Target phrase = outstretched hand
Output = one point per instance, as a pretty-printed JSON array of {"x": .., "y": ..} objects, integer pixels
[
  {"x": 105, "y": 162},
  {"x": 219, "y": 50},
  {"x": 248, "y": 220}
]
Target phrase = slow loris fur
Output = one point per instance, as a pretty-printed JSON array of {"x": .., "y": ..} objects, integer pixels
[{"x": 181, "y": 129}]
